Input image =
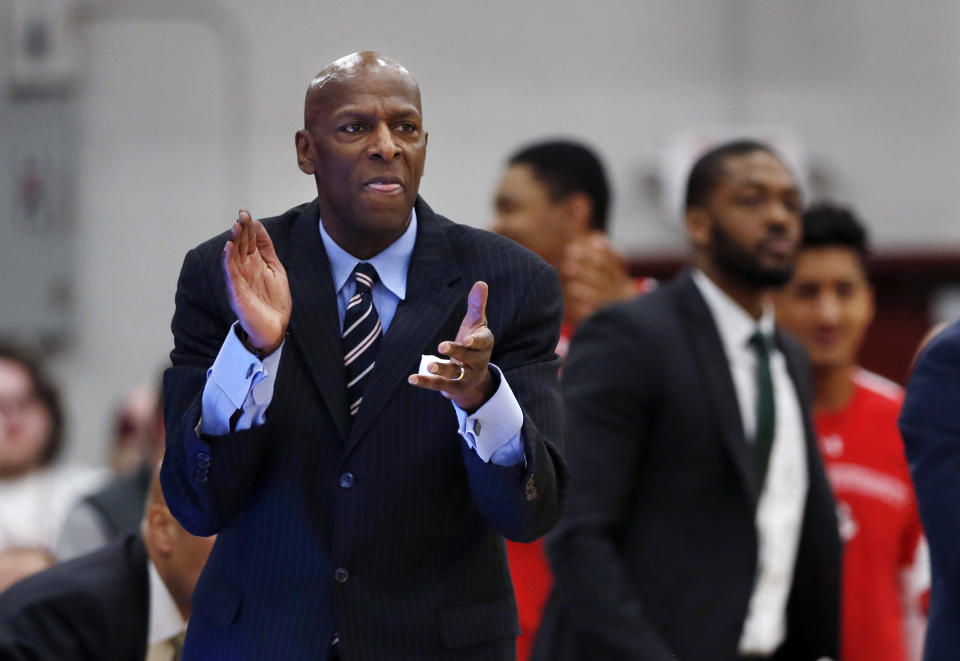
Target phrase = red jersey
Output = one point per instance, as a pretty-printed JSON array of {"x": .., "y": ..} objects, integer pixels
[
  {"x": 528, "y": 562},
  {"x": 885, "y": 564}
]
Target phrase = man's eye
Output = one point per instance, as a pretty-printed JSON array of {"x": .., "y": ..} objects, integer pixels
[
  {"x": 793, "y": 205},
  {"x": 406, "y": 127},
  {"x": 845, "y": 289},
  {"x": 355, "y": 127},
  {"x": 807, "y": 291}
]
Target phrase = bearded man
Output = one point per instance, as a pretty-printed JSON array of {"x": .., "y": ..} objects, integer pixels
[{"x": 700, "y": 525}]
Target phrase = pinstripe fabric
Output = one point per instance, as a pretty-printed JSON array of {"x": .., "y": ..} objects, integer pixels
[{"x": 418, "y": 528}]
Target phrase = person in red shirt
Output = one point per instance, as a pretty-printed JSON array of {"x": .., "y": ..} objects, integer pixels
[
  {"x": 828, "y": 305},
  {"x": 553, "y": 199}
]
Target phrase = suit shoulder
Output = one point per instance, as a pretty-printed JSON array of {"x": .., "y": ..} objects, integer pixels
[
  {"x": 277, "y": 226},
  {"x": 943, "y": 348},
  {"x": 91, "y": 578},
  {"x": 653, "y": 315},
  {"x": 483, "y": 244}
]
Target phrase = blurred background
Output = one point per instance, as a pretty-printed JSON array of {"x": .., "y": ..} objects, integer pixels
[{"x": 131, "y": 130}]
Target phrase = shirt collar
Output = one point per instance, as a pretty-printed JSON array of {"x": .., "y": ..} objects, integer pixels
[
  {"x": 164, "y": 620},
  {"x": 391, "y": 263},
  {"x": 736, "y": 327}
]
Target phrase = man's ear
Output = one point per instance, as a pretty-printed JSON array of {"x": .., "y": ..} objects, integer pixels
[
  {"x": 426, "y": 140},
  {"x": 305, "y": 151},
  {"x": 871, "y": 304},
  {"x": 159, "y": 521},
  {"x": 698, "y": 226},
  {"x": 580, "y": 209}
]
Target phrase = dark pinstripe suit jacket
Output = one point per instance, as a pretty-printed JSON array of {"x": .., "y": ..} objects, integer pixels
[{"x": 406, "y": 560}]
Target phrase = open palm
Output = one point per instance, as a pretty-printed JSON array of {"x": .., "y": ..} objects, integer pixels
[{"x": 257, "y": 284}]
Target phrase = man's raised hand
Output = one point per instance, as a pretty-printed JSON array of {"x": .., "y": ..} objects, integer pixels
[
  {"x": 257, "y": 284},
  {"x": 470, "y": 351}
]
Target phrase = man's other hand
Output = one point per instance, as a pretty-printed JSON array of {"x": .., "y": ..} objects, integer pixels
[{"x": 466, "y": 378}]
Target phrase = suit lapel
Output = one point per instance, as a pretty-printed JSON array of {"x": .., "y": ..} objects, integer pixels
[
  {"x": 712, "y": 358},
  {"x": 314, "y": 326},
  {"x": 431, "y": 299}
]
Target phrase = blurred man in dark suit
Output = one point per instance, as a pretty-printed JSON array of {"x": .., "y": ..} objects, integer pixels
[
  {"x": 362, "y": 502},
  {"x": 930, "y": 425},
  {"x": 128, "y": 601},
  {"x": 700, "y": 524},
  {"x": 554, "y": 198}
]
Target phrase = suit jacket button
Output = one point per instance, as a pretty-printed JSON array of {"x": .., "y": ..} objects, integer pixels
[
  {"x": 346, "y": 480},
  {"x": 341, "y": 575}
]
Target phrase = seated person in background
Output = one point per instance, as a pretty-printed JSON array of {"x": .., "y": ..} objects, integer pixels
[
  {"x": 116, "y": 509},
  {"x": 126, "y": 601},
  {"x": 35, "y": 495},
  {"x": 138, "y": 433},
  {"x": 553, "y": 199},
  {"x": 828, "y": 305}
]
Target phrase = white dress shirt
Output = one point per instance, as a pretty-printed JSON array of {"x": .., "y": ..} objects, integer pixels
[
  {"x": 779, "y": 515},
  {"x": 164, "y": 619},
  {"x": 238, "y": 380}
]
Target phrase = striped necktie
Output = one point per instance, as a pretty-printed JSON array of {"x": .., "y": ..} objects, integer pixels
[{"x": 361, "y": 335}]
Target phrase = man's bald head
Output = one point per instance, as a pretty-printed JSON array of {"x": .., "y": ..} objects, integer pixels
[{"x": 335, "y": 78}]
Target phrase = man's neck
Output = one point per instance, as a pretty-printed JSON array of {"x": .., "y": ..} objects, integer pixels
[
  {"x": 750, "y": 299},
  {"x": 833, "y": 388}
]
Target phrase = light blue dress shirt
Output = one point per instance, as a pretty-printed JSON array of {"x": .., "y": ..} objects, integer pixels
[{"x": 239, "y": 380}]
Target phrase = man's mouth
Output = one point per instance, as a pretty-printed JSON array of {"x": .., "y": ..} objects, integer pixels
[
  {"x": 780, "y": 247},
  {"x": 385, "y": 185}
]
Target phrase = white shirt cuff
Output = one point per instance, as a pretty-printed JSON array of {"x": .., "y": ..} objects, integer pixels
[
  {"x": 238, "y": 380},
  {"x": 495, "y": 424}
]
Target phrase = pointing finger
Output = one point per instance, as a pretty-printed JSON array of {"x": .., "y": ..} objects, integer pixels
[{"x": 476, "y": 305}]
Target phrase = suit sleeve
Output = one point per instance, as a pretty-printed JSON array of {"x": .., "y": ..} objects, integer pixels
[
  {"x": 930, "y": 426},
  {"x": 607, "y": 390},
  {"x": 206, "y": 479},
  {"x": 524, "y": 501}
]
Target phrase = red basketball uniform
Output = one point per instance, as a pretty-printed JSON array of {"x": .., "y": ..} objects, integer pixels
[{"x": 885, "y": 562}]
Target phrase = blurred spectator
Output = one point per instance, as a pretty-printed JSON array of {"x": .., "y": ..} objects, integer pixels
[
  {"x": 35, "y": 494},
  {"x": 828, "y": 305},
  {"x": 128, "y": 600},
  {"x": 700, "y": 525},
  {"x": 930, "y": 424},
  {"x": 116, "y": 509},
  {"x": 137, "y": 432},
  {"x": 553, "y": 198}
]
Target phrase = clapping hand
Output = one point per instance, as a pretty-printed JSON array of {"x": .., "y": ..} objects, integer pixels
[
  {"x": 256, "y": 284},
  {"x": 594, "y": 276}
]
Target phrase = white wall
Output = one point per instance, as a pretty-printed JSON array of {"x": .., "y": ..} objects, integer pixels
[{"x": 189, "y": 110}]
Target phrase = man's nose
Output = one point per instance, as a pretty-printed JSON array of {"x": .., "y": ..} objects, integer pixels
[
  {"x": 780, "y": 215},
  {"x": 382, "y": 144},
  {"x": 829, "y": 308}
]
